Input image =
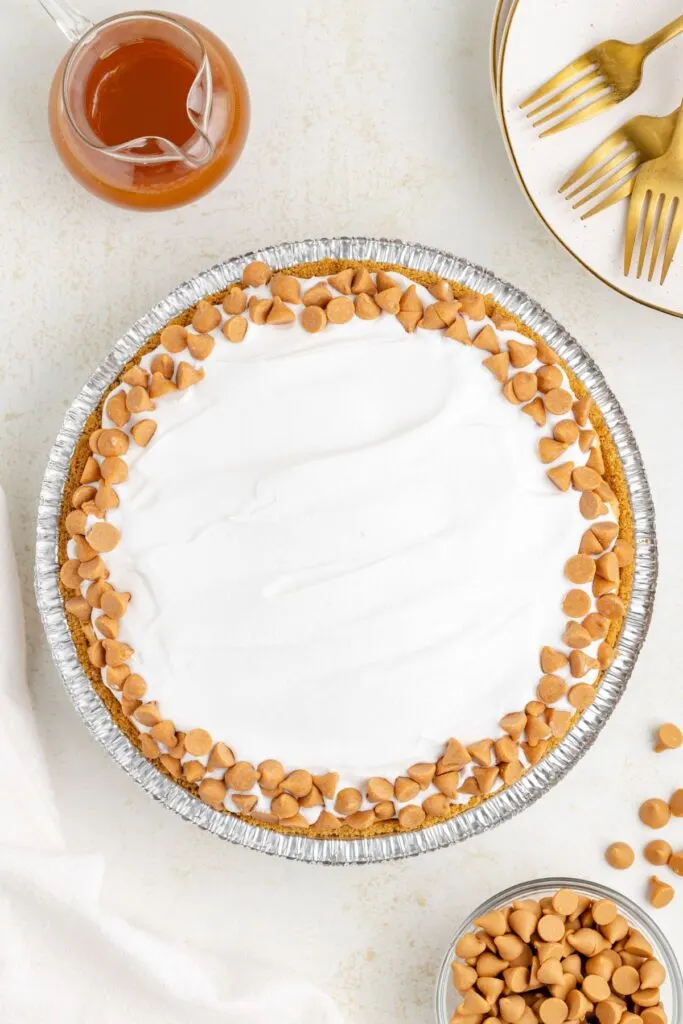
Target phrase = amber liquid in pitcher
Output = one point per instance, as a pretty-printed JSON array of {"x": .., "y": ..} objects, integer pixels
[{"x": 137, "y": 86}]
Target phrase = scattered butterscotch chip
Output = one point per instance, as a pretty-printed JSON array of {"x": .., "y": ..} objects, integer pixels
[
  {"x": 566, "y": 431},
  {"x": 389, "y": 299},
  {"x": 187, "y": 375},
  {"x": 174, "y": 338},
  {"x": 112, "y": 442},
  {"x": 348, "y": 801},
  {"x": 458, "y": 331},
  {"x": 279, "y": 313},
  {"x": 313, "y": 319},
  {"x": 564, "y": 902},
  {"x": 75, "y": 522},
  {"x": 591, "y": 505},
  {"x": 385, "y": 810},
  {"x": 298, "y": 783},
  {"x": 271, "y": 774},
  {"x": 366, "y": 308},
  {"x": 235, "y": 328},
  {"x": 581, "y": 696},
  {"x": 498, "y": 365},
  {"x": 136, "y": 375},
  {"x": 576, "y": 603},
  {"x": 581, "y": 409},
  {"x": 363, "y": 282},
  {"x": 552, "y": 660},
  {"x": 241, "y": 776},
  {"x": 550, "y": 450},
  {"x": 624, "y": 552},
  {"x": 160, "y": 386},
  {"x": 317, "y": 295},
  {"x": 580, "y": 569},
  {"x": 361, "y": 820},
  {"x": 328, "y": 822},
  {"x": 549, "y": 379},
  {"x": 327, "y": 784},
  {"x": 198, "y": 742},
  {"x": 286, "y": 288},
  {"x": 669, "y": 736},
  {"x": 551, "y": 688},
  {"x": 619, "y": 855},
  {"x": 473, "y": 306},
  {"x": 430, "y": 320},
  {"x": 221, "y": 756},
  {"x": 557, "y": 401},
  {"x": 561, "y": 475},
  {"x": 521, "y": 354},
  {"x": 234, "y": 301},
  {"x": 340, "y": 310},
  {"x": 212, "y": 791},
  {"x": 411, "y": 816},
  {"x": 103, "y": 537},
  {"x": 206, "y": 318},
  {"x": 676, "y": 862},
  {"x": 657, "y": 852},
  {"x": 524, "y": 385},
  {"x": 654, "y": 813},
  {"x": 117, "y": 410},
  {"x": 422, "y": 773},
  {"x": 487, "y": 340},
  {"x": 256, "y": 274},
  {"x": 259, "y": 310},
  {"x": 406, "y": 789},
  {"x": 342, "y": 281},
  {"x": 147, "y": 714},
  {"x": 536, "y": 410},
  {"x": 200, "y": 347},
  {"x": 436, "y": 806},
  {"x": 660, "y": 894}
]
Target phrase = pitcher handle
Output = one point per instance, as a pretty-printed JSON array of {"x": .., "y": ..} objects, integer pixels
[{"x": 73, "y": 24}]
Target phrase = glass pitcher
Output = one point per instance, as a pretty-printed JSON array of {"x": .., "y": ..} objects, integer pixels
[{"x": 149, "y": 171}]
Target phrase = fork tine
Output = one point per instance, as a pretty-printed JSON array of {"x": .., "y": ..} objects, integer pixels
[
  {"x": 594, "y": 159},
  {"x": 613, "y": 168},
  {"x": 614, "y": 197},
  {"x": 565, "y": 75},
  {"x": 674, "y": 236},
  {"x": 596, "y": 107},
  {"x": 614, "y": 179},
  {"x": 573, "y": 103},
  {"x": 652, "y": 212},
  {"x": 662, "y": 224},
  {"x": 635, "y": 209},
  {"x": 566, "y": 93}
]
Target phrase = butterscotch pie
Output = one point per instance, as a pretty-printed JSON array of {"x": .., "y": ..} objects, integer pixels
[{"x": 345, "y": 549}]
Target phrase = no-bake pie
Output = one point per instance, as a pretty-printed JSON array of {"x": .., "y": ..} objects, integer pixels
[{"x": 345, "y": 548}]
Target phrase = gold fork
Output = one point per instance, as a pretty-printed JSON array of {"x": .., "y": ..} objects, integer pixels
[
  {"x": 605, "y": 75},
  {"x": 613, "y": 163},
  {"x": 657, "y": 192}
]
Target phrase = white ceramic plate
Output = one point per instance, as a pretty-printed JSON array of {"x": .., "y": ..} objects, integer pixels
[
  {"x": 500, "y": 19},
  {"x": 538, "y": 40}
]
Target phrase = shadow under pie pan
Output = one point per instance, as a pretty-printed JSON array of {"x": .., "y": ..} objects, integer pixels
[{"x": 480, "y": 816}]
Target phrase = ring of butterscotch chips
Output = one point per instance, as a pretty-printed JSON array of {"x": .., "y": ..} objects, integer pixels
[{"x": 465, "y": 772}]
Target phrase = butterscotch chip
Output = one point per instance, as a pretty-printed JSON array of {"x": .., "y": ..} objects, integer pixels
[
  {"x": 138, "y": 400},
  {"x": 676, "y": 862},
  {"x": 676, "y": 803},
  {"x": 511, "y": 772},
  {"x": 473, "y": 306},
  {"x": 385, "y": 810},
  {"x": 564, "y": 902},
  {"x": 654, "y": 813},
  {"x": 406, "y": 789},
  {"x": 105, "y": 498},
  {"x": 318, "y": 295},
  {"x": 521, "y": 354},
  {"x": 148, "y": 714},
  {"x": 590, "y": 545},
  {"x": 509, "y": 393},
  {"x": 597, "y": 625},
  {"x": 580, "y": 569},
  {"x": 487, "y": 340},
  {"x": 576, "y": 603},
  {"x": 340, "y": 310},
  {"x": 241, "y": 776},
  {"x": 174, "y": 338},
  {"x": 244, "y": 803},
  {"x": 646, "y": 996},
  {"x": 327, "y": 784},
  {"x": 441, "y": 289},
  {"x": 551, "y": 660},
  {"x": 361, "y": 820},
  {"x": 211, "y": 791},
  {"x": 206, "y": 318},
  {"x": 447, "y": 310},
  {"x": 342, "y": 281},
  {"x": 271, "y": 773},
  {"x": 524, "y": 385},
  {"x": 559, "y": 721},
  {"x": 591, "y": 505},
  {"x": 116, "y": 409},
  {"x": 549, "y": 450},
  {"x": 108, "y": 627},
  {"x": 235, "y": 301},
  {"x": 313, "y": 319},
  {"x": 551, "y": 928},
  {"x": 625, "y": 552},
  {"x": 458, "y": 332},
  {"x": 114, "y": 470},
  {"x": 112, "y": 442},
  {"x": 82, "y": 494},
  {"x": 96, "y": 655},
  {"x": 586, "y": 941},
  {"x": 581, "y": 696},
  {"x": 511, "y": 948},
  {"x": 93, "y": 570},
  {"x": 313, "y": 798},
  {"x": 605, "y": 655},
  {"x": 619, "y": 855},
  {"x": 536, "y": 731},
  {"x": 605, "y": 533},
  {"x": 279, "y": 313},
  {"x": 455, "y": 755},
  {"x": 193, "y": 771},
  {"x": 561, "y": 475},
  {"x": 536, "y": 410},
  {"x": 408, "y": 320},
  {"x": 103, "y": 537},
  {"x": 159, "y": 386},
  {"x": 604, "y": 912},
  {"x": 596, "y": 988},
  {"x": 198, "y": 742},
  {"x": 298, "y": 783},
  {"x": 410, "y": 301},
  {"x": 581, "y": 409},
  {"x": 481, "y": 752},
  {"x": 511, "y": 1009},
  {"x": 76, "y": 522},
  {"x": 578, "y": 664},
  {"x": 134, "y": 687},
  {"x": 566, "y": 431},
  {"x": 448, "y": 783},
  {"x": 256, "y": 274},
  {"x": 259, "y": 310},
  {"x": 553, "y": 1011},
  {"x": 576, "y": 636},
  {"x": 235, "y": 329},
  {"x": 657, "y": 852},
  {"x": 498, "y": 365},
  {"x": 221, "y": 756},
  {"x": 388, "y": 299},
  {"x": 114, "y": 603},
  {"x": 669, "y": 736},
  {"x": 506, "y": 750},
  {"x": 485, "y": 778},
  {"x": 470, "y": 787},
  {"x": 513, "y": 724},
  {"x": 367, "y": 309},
  {"x": 650, "y": 1015},
  {"x": 494, "y": 923},
  {"x": 585, "y": 479},
  {"x": 286, "y": 288},
  {"x": 430, "y": 320},
  {"x": 652, "y": 974},
  {"x": 187, "y": 375},
  {"x": 164, "y": 732},
  {"x": 489, "y": 966},
  {"x": 348, "y": 801},
  {"x": 411, "y": 816},
  {"x": 523, "y": 923},
  {"x": 78, "y": 606},
  {"x": 551, "y": 688},
  {"x": 463, "y": 976},
  {"x": 201, "y": 346},
  {"x": 96, "y": 591},
  {"x": 363, "y": 282},
  {"x": 379, "y": 789},
  {"x": 557, "y": 401},
  {"x": 327, "y": 822},
  {"x": 549, "y": 378},
  {"x": 384, "y": 280},
  {"x": 550, "y": 972},
  {"x": 660, "y": 894},
  {"x": 148, "y": 747}
]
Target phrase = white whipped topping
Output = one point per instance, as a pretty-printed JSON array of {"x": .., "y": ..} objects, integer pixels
[{"x": 342, "y": 548}]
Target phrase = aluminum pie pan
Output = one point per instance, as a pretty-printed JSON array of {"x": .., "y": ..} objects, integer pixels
[{"x": 537, "y": 780}]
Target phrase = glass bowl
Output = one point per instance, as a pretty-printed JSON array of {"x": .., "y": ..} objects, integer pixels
[{"x": 447, "y": 997}]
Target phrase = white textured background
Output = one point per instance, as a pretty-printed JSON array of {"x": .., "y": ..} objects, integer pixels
[{"x": 370, "y": 119}]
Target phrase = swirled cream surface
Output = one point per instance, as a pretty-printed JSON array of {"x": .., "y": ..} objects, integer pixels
[{"x": 342, "y": 549}]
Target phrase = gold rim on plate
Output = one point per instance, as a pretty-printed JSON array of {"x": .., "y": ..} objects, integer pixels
[{"x": 520, "y": 177}]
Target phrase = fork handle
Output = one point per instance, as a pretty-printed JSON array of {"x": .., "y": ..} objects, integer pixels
[
  {"x": 658, "y": 39},
  {"x": 676, "y": 145}
]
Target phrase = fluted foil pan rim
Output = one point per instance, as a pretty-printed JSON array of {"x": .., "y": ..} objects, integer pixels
[{"x": 539, "y": 779}]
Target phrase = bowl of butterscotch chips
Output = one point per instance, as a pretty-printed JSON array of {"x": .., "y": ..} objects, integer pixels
[{"x": 559, "y": 950}]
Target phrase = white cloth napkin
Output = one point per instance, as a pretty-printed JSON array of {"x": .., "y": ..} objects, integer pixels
[{"x": 62, "y": 957}]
